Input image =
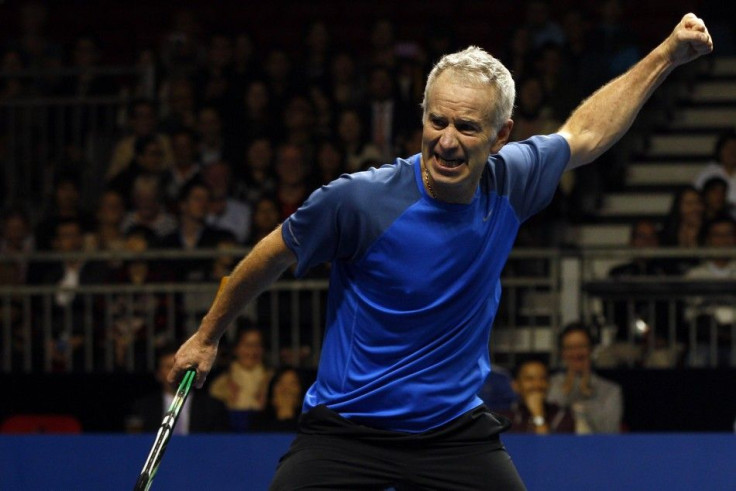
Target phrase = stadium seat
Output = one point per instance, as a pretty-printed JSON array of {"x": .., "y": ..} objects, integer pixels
[{"x": 41, "y": 423}]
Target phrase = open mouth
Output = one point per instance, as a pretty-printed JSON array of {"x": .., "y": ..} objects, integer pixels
[{"x": 449, "y": 163}]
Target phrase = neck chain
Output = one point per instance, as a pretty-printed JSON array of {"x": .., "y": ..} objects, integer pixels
[{"x": 429, "y": 186}]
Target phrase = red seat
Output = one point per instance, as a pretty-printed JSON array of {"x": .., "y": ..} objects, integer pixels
[{"x": 41, "y": 423}]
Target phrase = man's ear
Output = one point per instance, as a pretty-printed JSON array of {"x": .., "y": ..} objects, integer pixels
[{"x": 503, "y": 136}]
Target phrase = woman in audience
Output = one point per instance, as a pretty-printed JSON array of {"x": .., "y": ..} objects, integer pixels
[
  {"x": 283, "y": 403},
  {"x": 683, "y": 226}
]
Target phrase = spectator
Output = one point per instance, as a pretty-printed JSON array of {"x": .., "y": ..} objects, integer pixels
[
  {"x": 142, "y": 122},
  {"x": 317, "y": 52},
  {"x": 382, "y": 44},
  {"x": 256, "y": 118},
  {"x": 292, "y": 186},
  {"x": 715, "y": 198},
  {"x": 358, "y": 150},
  {"x": 86, "y": 54},
  {"x": 245, "y": 66},
  {"x": 644, "y": 235},
  {"x": 225, "y": 212},
  {"x": 68, "y": 322},
  {"x": 139, "y": 320},
  {"x": 596, "y": 402},
  {"x": 385, "y": 116},
  {"x": 283, "y": 403},
  {"x": 213, "y": 145},
  {"x": 542, "y": 27},
  {"x": 148, "y": 208},
  {"x": 723, "y": 165},
  {"x": 299, "y": 124},
  {"x": 242, "y": 387},
  {"x": 181, "y": 108},
  {"x": 345, "y": 86},
  {"x": 533, "y": 114},
  {"x": 108, "y": 234},
  {"x": 613, "y": 43},
  {"x": 329, "y": 163},
  {"x": 66, "y": 205},
  {"x": 16, "y": 238},
  {"x": 212, "y": 82},
  {"x": 186, "y": 166},
  {"x": 266, "y": 217},
  {"x": 182, "y": 51},
  {"x": 256, "y": 177},
  {"x": 193, "y": 232},
  {"x": 683, "y": 226},
  {"x": 200, "y": 413},
  {"x": 532, "y": 413},
  {"x": 12, "y": 88},
  {"x": 713, "y": 315},
  {"x": 279, "y": 78},
  {"x": 149, "y": 159}
]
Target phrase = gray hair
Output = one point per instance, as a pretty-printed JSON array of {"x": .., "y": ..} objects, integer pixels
[{"x": 474, "y": 65}]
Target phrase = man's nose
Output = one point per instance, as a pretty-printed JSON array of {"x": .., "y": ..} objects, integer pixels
[{"x": 448, "y": 139}]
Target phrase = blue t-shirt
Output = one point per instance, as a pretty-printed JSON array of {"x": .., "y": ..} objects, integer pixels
[{"x": 415, "y": 282}]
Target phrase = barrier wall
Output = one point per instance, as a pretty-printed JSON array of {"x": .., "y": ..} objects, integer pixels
[{"x": 106, "y": 462}]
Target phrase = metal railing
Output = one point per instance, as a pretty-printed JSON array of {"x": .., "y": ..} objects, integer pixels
[{"x": 643, "y": 321}]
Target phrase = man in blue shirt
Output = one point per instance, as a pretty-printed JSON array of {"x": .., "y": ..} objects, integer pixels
[{"x": 417, "y": 250}]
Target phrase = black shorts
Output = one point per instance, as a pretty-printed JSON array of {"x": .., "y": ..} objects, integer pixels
[{"x": 331, "y": 452}]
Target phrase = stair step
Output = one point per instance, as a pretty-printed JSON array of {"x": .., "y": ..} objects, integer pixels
[
  {"x": 723, "y": 66},
  {"x": 602, "y": 234},
  {"x": 679, "y": 144},
  {"x": 705, "y": 117},
  {"x": 636, "y": 204},
  {"x": 669, "y": 174},
  {"x": 714, "y": 91}
]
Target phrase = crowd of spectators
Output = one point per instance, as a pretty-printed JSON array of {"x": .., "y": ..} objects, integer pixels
[{"x": 223, "y": 139}]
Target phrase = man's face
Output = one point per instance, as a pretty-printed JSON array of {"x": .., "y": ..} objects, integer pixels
[
  {"x": 196, "y": 206},
  {"x": 721, "y": 234},
  {"x": 458, "y": 136},
  {"x": 576, "y": 351},
  {"x": 165, "y": 364},
  {"x": 249, "y": 350},
  {"x": 69, "y": 237},
  {"x": 645, "y": 235},
  {"x": 532, "y": 377},
  {"x": 152, "y": 157}
]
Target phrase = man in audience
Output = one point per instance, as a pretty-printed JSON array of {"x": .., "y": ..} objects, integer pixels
[
  {"x": 226, "y": 212},
  {"x": 596, "y": 402},
  {"x": 719, "y": 313},
  {"x": 200, "y": 413},
  {"x": 533, "y": 413},
  {"x": 148, "y": 209}
]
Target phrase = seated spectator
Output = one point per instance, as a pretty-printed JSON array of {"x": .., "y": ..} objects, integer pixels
[
  {"x": 283, "y": 403},
  {"x": 200, "y": 413},
  {"x": 17, "y": 238},
  {"x": 715, "y": 198},
  {"x": 709, "y": 313},
  {"x": 533, "y": 114},
  {"x": 108, "y": 234},
  {"x": 532, "y": 413},
  {"x": 497, "y": 392},
  {"x": 683, "y": 226},
  {"x": 358, "y": 150},
  {"x": 143, "y": 122},
  {"x": 266, "y": 217},
  {"x": 596, "y": 402},
  {"x": 68, "y": 320},
  {"x": 242, "y": 387},
  {"x": 185, "y": 168},
  {"x": 135, "y": 317},
  {"x": 329, "y": 163},
  {"x": 649, "y": 349},
  {"x": 148, "y": 160},
  {"x": 148, "y": 208},
  {"x": 256, "y": 176},
  {"x": 180, "y": 108},
  {"x": 225, "y": 212},
  {"x": 292, "y": 185},
  {"x": 65, "y": 205},
  {"x": 213, "y": 145},
  {"x": 723, "y": 166}
]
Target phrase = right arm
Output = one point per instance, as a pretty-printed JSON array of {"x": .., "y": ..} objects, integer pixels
[{"x": 261, "y": 267}]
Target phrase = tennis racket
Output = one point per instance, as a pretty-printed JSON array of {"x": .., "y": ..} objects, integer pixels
[{"x": 164, "y": 433}]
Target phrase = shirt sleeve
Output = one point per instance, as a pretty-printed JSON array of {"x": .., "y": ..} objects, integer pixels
[
  {"x": 327, "y": 226},
  {"x": 533, "y": 170}
]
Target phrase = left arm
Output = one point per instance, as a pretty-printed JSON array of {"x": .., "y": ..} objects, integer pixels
[{"x": 603, "y": 118}]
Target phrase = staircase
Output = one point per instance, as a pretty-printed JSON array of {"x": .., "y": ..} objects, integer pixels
[{"x": 679, "y": 146}]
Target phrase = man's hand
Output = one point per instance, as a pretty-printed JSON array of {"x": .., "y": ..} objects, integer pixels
[
  {"x": 689, "y": 40},
  {"x": 196, "y": 352}
]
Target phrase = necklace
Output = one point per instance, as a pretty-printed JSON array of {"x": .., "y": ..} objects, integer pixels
[{"x": 429, "y": 185}]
